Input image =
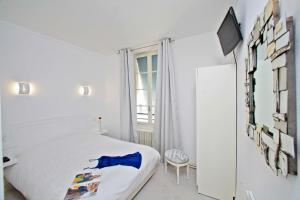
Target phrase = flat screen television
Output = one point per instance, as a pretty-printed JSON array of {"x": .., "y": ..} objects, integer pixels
[{"x": 229, "y": 32}]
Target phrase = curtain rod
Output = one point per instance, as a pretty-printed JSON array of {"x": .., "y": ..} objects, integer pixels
[{"x": 145, "y": 46}]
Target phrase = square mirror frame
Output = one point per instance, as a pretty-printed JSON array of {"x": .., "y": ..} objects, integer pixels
[{"x": 279, "y": 147}]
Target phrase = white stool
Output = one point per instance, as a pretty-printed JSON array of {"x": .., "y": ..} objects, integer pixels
[{"x": 178, "y": 159}]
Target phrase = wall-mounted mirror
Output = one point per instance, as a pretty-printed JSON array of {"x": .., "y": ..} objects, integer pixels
[
  {"x": 263, "y": 95},
  {"x": 271, "y": 89}
]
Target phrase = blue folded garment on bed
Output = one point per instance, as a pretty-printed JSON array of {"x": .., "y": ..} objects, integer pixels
[{"x": 133, "y": 160}]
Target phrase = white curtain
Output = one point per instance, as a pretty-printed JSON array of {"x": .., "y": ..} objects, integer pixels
[
  {"x": 128, "y": 99},
  {"x": 166, "y": 121}
]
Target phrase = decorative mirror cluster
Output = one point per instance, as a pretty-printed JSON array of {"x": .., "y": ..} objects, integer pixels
[{"x": 276, "y": 140}]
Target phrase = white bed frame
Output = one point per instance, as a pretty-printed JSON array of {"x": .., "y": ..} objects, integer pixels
[
  {"x": 135, "y": 191},
  {"x": 19, "y": 136},
  {"x": 141, "y": 185}
]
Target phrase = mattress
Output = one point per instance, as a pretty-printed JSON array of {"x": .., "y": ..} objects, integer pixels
[{"x": 45, "y": 171}]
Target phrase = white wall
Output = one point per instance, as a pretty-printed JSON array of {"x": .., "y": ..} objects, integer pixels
[
  {"x": 112, "y": 94},
  {"x": 1, "y": 163},
  {"x": 190, "y": 53},
  {"x": 253, "y": 174},
  {"x": 56, "y": 69}
]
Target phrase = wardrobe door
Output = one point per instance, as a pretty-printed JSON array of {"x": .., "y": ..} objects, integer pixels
[{"x": 216, "y": 131}]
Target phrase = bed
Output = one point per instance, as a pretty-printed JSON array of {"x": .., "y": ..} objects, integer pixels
[{"x": 45, "y": 170}]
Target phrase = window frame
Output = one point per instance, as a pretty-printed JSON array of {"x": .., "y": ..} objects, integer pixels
[{"x": 149, "y": 88}]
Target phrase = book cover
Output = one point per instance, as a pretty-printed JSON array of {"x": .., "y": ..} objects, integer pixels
[
  {"x": 85, "y": 177},
  {"x": 81, "y": 191}
]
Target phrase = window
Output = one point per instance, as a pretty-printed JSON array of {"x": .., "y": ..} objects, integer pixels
[{"x": 146, "y": 71}]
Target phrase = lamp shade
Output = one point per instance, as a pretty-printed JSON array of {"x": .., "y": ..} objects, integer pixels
[
  {"x": 84, "y": 90},
  {"x": 24, "y": 88}
]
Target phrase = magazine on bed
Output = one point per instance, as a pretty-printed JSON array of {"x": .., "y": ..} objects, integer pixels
[
  {"x": 83, "y": 190},
  {"x": 84, "y": 177},
  {"x": 83, "y": 186}
]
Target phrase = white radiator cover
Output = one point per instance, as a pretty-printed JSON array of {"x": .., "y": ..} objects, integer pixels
[{"x": 145, "y": 137}]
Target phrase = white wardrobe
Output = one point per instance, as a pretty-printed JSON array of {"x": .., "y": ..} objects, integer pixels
[{"x": 216, "y": 131}]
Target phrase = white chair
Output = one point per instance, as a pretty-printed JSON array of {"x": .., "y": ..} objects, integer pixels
[{"x": 178, "y": 159}]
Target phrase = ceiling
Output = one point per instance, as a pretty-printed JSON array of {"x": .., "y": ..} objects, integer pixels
[{"x": 107, "y": 25}]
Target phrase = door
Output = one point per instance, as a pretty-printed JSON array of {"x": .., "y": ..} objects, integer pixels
[{"x": 216, "y": 131}]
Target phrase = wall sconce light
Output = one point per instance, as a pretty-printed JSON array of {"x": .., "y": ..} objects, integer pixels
[
  {"x": 23, "y": 88},
  {"x": 84, "y": 90}
]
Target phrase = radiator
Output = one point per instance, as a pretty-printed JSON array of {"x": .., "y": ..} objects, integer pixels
[{"x": 145, "y": 137}]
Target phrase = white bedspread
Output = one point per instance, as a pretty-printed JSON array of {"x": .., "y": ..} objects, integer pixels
[{"x": 47, "y": 170}]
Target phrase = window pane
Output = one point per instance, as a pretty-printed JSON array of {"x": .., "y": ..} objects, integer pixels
[
  {"x": 143, "y": 90},
  {"x": 154, "y": 75},
  {"x": 141, "y": 81},
  {"x": 142, "y": 64},
  {"x": 141, "y": 97},
  {"x": 140, "y": 118},
  {"x": 154, "y": 63},
  {"x": 142, "y": 113}
]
